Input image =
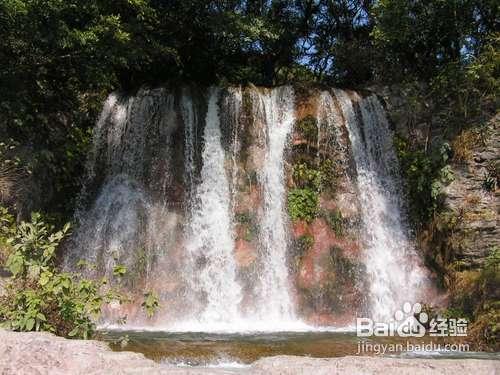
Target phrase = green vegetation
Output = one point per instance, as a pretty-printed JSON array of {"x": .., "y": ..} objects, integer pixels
[
  {"x": 303, "y": 204},
  {"x": 119, "y": 270},
  {"x": 7, "y": 231},
  {"x": 304, "y": 176},
  {"x": 150, "y": 303},
  {"x": 475, "y": 295},
  {"x": 318, "y": 178},
  {"x": 305, "y": 242},
  {"x": 39, "y": 296},
  {"x": 335, "y": 221},
  {"x": 425, "y": 176},
  {"x": 59, "y": 59},
  {"x": 308, "y": 127},
  {"x": 248, "y": 221}
]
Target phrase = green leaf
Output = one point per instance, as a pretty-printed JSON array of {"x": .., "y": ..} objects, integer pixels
[
  {"x": 119, "y": 270},
  {"x": 30, "y": 323},
  {"x": 15, "y": 263},
  {"x": 41, "y": 317},
  {"x": 73, "y": 332},
  {"x": 44, "y": 278}
]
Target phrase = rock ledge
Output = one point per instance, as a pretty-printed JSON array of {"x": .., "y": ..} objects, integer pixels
[{"x": 44, "y": 353}]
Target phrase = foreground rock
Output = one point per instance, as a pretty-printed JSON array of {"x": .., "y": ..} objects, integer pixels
[
  {"x": 289, "y": 365},
  {"x": 44, "y": 353}
]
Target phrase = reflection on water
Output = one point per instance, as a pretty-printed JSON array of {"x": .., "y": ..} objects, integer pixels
[{"x": 233, "y": 350}]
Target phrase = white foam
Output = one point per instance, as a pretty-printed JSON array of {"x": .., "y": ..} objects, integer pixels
[{"x": 244, "y": 327}]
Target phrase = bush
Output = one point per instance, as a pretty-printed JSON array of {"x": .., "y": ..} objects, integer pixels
[
  {"x": 425, "y": 175},
  {"x": 336, "y": 222},
  {"x": 150, "y": 303},
  {"x": 7, "y": 230},
  {"x": 302, "y": 204},
  {"x": 475, "y": 296},
  {"x": 304, "y": 176},
  {"x": 308, "y": 127},
  {"x": 41, "y": 298},
  {"x": 305, "y": 242}
]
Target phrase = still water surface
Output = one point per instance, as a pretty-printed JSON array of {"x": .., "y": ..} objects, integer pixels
[{"x": 205, "y": 349}]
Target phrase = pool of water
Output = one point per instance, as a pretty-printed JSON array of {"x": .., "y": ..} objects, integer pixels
[{"x": 205, "y": 349}]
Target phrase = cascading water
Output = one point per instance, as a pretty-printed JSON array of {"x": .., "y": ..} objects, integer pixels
[
  {"x": 390, "y": 258},
  {"x": 190, "y": 119},
  {"x": 209, "y": 238},
  {"x": 120, "y": 218},
  {"x": 188, "y": 190},
  {"x": 330, "y": 126},
  {"x": 275, "y": 305}
]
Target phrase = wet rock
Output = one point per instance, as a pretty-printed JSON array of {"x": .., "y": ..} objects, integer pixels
[
  {"x": 245, "y": 253},
  {"x": 329, "y": 276}
]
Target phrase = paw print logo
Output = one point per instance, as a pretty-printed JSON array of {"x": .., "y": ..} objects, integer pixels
[{"x": 410, "y": 321}]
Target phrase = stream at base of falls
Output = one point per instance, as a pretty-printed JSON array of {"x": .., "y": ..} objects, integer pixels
[{"x": 238, "y": 350}]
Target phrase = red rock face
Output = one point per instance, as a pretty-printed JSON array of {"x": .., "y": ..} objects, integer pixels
[
  {"x": 326, "y": 293},
  {"x": 325, "y": 319},
  {"x": 250, "y": 200},
  {"x": 245, "y": 253},
  {"x": 300, "y": 228},
  {"x": 327, "y": 255}
]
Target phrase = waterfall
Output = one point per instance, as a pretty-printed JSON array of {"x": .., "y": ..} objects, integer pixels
[
  {"x": 210, "y": 241},
  {"x": 389, "y": 255},
  {"x": 190, "y": 118},
  {"x": 187, "y": 188},
  {"x": 277, "y": 107},
  {"x": 330, "y": 130},
  {"x": 120, "y": 218}
]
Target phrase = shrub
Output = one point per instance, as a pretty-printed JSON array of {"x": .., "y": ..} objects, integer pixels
[
  {"x": 305, "y": 242},
  {"x": 150, "y": 303},
  {"x": 425, "y": 175},
  {"x": 304, "y": 176},
  {"x": 249, "y": 225},
  {"x": 317, "y": 178},
  {"x": 308, "y": 127},
  {"x": 330, "y": 171},
  {"x": 464, "y": 143},
  {"x": 7, "y": 230},
  {"x": 335, "y": 221},
  {"x": 39, "y": 296},
  {"x": 303, "y": 204},
  {"x": 474, "y": 295}
]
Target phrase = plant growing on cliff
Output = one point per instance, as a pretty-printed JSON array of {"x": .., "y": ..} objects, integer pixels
[
  {"x": 304, "y": 176},
  {"x": 39, "y": 296},
  {"x": 305, "y": 242},
  {"x": 336, "y": 221},
  {"x": 150, "y": 303},
  {"x": 308, "y": 127},
  {"x": 486, "y": 326},
  {"x": 248, "y": 224},
  {"x": 303, "y": 204}
]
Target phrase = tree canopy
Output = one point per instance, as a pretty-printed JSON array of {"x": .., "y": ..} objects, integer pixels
[{"x": 59, "y": 58}]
